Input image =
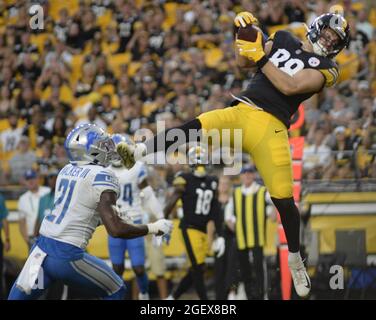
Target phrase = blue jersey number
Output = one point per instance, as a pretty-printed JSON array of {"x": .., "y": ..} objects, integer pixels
[
  {"x": 63, "y": 187},
  {"x": 127, "y": 193}
]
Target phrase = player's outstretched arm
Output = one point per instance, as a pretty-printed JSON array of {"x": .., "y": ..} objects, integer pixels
[{"x": 118, "y": 228}]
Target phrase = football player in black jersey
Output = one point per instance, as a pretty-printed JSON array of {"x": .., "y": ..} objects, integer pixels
[
  {"x": 198, "y": 193},
  {"x": 289, "y": 71}
]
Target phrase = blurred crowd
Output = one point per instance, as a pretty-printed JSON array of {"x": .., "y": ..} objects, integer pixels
[{"x": 127, "y": 64}]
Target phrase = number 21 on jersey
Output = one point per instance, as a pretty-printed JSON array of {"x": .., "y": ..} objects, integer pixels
[{"x": 65, "y": 191}]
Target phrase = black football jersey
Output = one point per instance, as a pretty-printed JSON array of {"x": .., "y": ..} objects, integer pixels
[
  {"x": 286, "y": 54},
  {"x": 199, "y": 200}
]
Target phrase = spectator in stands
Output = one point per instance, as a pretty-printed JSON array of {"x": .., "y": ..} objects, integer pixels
[
  {"x": 338, "y": 111},
  {"x": 26, "y": 101},
  {"x": 28, "y": 205},
  {"x": 46, "y": 202},
  {"x": 7, "y": 78},
  {"x": 105, "y": 109},
  {"x": 358, "y": 39},
  {"x": 296, "y": 10},
  {"x": 272, "y": 13},
  {"x": 104, "y": 75},
  {"x": 92, "y": 117},
  {"x": 4, "y": 246},
  {"x": 28, "y": 69},
  {"x": 23, "y": 159},
  {"x": 7, "y": 101},
  {"x": 316, "y": 155},
  {"x": 75, "y": 39},
  {"x": 10, "y": 138},
  {"x": 36, "y": 130},
  {"x": 25, "y": 45},
  {"x": 86, "y": 84},
  {"x": 363, "y": 24}
]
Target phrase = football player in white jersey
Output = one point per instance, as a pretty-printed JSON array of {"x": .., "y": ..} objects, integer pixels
[
  {"x": 133, "y": 186},
  {"x": 86, "y": 195}
]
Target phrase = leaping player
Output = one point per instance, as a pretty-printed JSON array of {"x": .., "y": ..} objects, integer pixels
[{"x": 289, "y": 71}]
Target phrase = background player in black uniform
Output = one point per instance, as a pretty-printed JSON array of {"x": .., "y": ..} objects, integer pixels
[
  {"x": 198, "y": 193},
  {"x": 288, "y": 72}
]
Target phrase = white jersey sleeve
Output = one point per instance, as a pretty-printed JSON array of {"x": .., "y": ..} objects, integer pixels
[
  {"x": 142, "y": 172},
  {"x": 105, "y": 180}
]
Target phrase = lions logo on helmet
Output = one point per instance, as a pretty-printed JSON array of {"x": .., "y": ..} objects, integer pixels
[
  {"x": 334, "y": 22},
  {"x": 117, "y": 138},
  {"x": 89, "y": 144}
]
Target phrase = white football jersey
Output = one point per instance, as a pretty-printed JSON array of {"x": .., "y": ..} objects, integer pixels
[
  {"x": 129, "y": 202},
  {"x": 78, "y": 189}
]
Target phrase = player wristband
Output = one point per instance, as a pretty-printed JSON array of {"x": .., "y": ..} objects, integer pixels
[{"x": 263, "y": 61}]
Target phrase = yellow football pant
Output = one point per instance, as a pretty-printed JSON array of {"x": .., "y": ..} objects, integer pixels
[
  {"x": 195, "y": 244},
  {"x": 264, "y": 137}
]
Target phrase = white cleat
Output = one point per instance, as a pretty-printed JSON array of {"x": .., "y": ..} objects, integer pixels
[
  {"x": 130, "y": 153},
  {"x": 143, "y": 296},
  {"x": 301, "y": 280},
  {"x": 170, "y": 297}
]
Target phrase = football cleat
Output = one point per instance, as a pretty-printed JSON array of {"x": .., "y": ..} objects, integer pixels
[{"x": 301, "y": 280}]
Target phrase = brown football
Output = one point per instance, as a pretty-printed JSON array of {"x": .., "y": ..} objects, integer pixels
[{"x": 248, "y": 33}]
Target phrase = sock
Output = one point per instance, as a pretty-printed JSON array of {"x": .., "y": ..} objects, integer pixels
[
  {"x": 290, "y": 218},
  {"x": 199, "y": 282},
  {"x": 143, "y": 283},
  {"x": 184, "y": 285}
]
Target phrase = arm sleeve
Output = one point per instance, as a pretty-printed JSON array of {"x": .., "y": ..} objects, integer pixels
[
  {"x": 330, "y": 75},
  {"x": 143, "y": 174}
]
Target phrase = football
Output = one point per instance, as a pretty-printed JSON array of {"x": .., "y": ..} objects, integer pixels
[{"x": 249, "y": 33}]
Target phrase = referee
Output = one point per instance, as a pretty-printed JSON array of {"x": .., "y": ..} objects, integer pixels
[{"x": 246, "y": 215}]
